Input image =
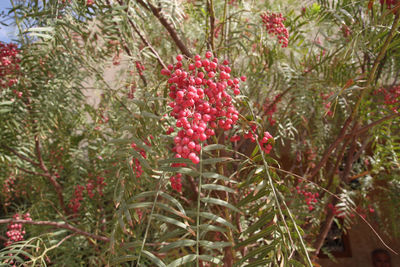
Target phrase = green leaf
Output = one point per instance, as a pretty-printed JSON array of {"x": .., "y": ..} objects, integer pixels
[
  {"x": 257, "y": 263},
  {"x": 182, "y": 170},
  {"x": 121, "y": 259},
  {"x": 183, "y": 260},
  {"x": 263, "y": 234},
  {"x": 220, "y": 202},
  {"x": 213, "y": 147},
  {"x": 262, "y": 249},
  {"x": 214, "y": 245},
  {"x": 177, "y": 244},
  {"x": 153, "y": 258},
  {"x": 212, "y": 259},
  {"x": 171, "y": 221},
  {"x": 215, "y": 218},
  {"x": 217, "y": 176},
  {"x": 218, "y": 187},
  {"x": 174, "y": 160},
  {"x": 265, "y": 219},
  {"x": 216, "y": 160}
]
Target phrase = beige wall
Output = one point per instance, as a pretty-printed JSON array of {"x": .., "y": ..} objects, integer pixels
[{"x": 363, "y": 241}]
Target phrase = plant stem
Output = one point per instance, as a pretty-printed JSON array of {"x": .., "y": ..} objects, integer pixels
[{"x": 198, "y": 211}]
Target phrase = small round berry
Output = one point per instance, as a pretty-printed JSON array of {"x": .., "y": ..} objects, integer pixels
[{"x": 179, "y": 57}]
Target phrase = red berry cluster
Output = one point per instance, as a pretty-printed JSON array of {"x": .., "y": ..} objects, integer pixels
[
  {"x": 176, "y": 182},
  {"x": 311, "y": 198},
  {"x": 14, "y": 187},
  {"x": 9, "y": 65},
  {"x": 389, "y": 3},
  {"x": 15, "y": 231},
  {"x": 75, "y": 203},
  {"x": 269, "y": 108},
  {"x": 89, "y": 2},
  {"x": 135, "y": 163},
  {"x": 264, "y": 141},
  {"x": 99, "y": 185},
  {"x": 327, "y": 105},
  {"x": 274, "y": 25},
  {"x": 391, "y": 97},
  {"x": 201, "y": 102},
  {"x": 139, "y": 67}
]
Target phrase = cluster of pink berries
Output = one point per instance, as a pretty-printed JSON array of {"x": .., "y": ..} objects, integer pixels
[
  {"x": 264, "y": 141},
  {"x": 201, "y": 102},
  {"x": 15, "y": 231},
  {"x": 311, "y": 198},
  {"x": 391, "y": 97},
  {"x": 274, "y": 25},
  {"x": 139, "y": 67},
  {"x": 176, "y": 182},
  {"x": 135, "y": 163},
  {"x": 99, "y": 185},
  {"x": 327, "y": 104},
  {"x": 14, "y": 187},
  {"x": 9, "y": 65},
  {"x": 389, "y": 3},
  {"x": 269, "y": 108},
  {"x": 75, "y": 203},
  {"x": 91, "y": 185}
]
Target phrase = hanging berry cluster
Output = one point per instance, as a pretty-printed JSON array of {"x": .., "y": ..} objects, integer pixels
[
  {"x": 75, "y": 203},
  {"x": 135, "y": 163},
  {"x": 201, "y": 102},
  {"x": 264, "y": 141},
  {"x": 9, "y": 64},
  {"x": 274, "y": 25},
  {"x": 270, "y": 108},
  {"x": 391, "y": 97},
  {"x": 389, "y": 3},
  {"x": 311, "y": 198},
  {"x": 15, "y": 231}
]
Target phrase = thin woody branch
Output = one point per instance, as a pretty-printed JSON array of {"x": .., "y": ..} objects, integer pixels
[
  {"x": 57, "y": 225},
  {"x": 20, "y": 155},
  {"x": 31, "y": 172},
  {"x": 343, "y": 136},
  {"x": 143, "y": 38},
  {"x": 167, "y": 25}
]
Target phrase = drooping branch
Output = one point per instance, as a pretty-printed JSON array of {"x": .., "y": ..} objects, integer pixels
[
  {"x": 147, "y": 43},
  {"x": 167, "y": 25},
  {"x": 142, "y": 37},
  {"x": 57, "y": 225},
  {"x": 20, "y": 155},
  {"x": 329, "y": 150}
]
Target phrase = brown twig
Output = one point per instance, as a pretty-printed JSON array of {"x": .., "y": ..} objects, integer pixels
[
  {"x": 167, "y": 25},
  {"x": 32, "y": 172},
  {"x": 329, "y": 150},
  {"x": 210, "y": 5},
  {"x": 146, "y": 42},
  {"x": 20, "y": 155},
  {"x": 57, "y": 225},
  {"x": 319, "y": 242}
]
